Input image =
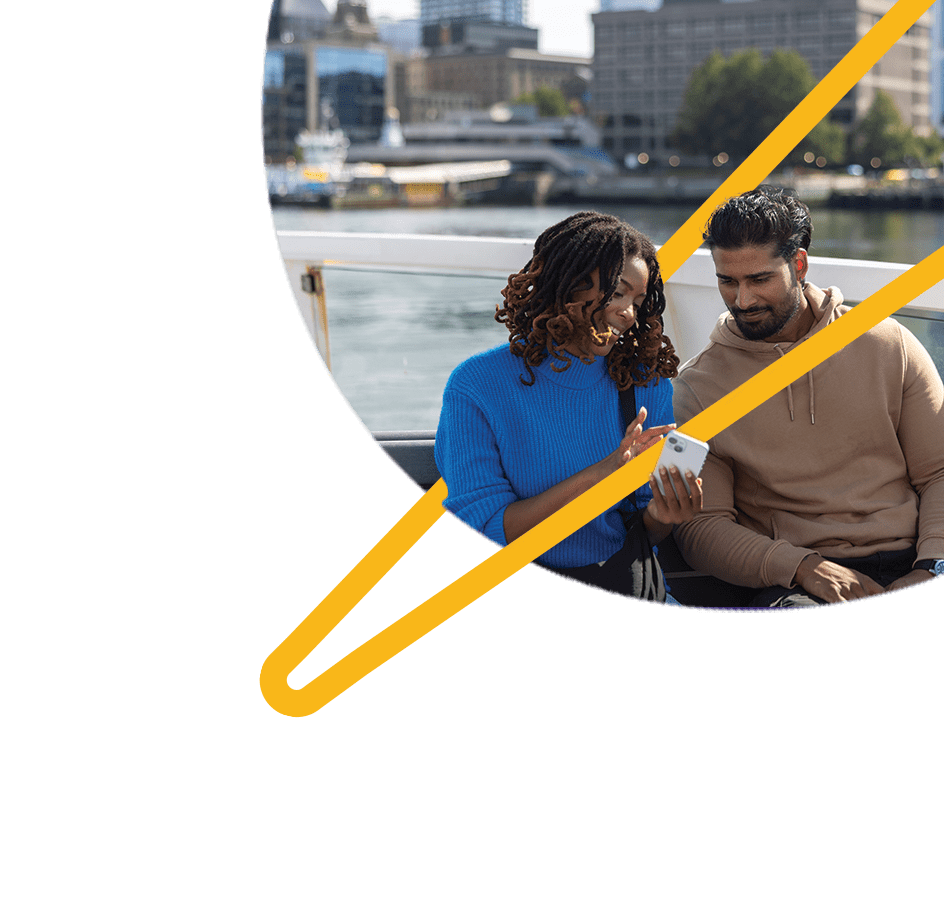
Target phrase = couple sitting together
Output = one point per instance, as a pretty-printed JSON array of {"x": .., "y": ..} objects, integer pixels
[{"x": 831, "y": 490}]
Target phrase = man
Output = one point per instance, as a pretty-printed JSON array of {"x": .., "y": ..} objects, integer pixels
[{"x": 834, "y": 488}]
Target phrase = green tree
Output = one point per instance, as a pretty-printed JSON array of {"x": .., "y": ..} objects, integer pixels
[
  {"x": 931, "y": 149},
  {"x": 731, "y": 104},
  {"x": 882, "y": 135},
  {"x": 549, "y": 101}
]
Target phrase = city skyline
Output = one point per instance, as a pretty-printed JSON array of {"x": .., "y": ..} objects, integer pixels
[{"x": 564, "y": 27}]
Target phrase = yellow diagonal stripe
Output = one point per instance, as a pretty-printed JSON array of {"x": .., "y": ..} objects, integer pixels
[
  {"x": 507, "y": 561},
  {"x": 552, "y": 530},
  {"x": 356, "y": 584},
  {"x": 796, "y": 126}
]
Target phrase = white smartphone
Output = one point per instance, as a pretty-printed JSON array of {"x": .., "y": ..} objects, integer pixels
[{"x": 682, "y": 451}]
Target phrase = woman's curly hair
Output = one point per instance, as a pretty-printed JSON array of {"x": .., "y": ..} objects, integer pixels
[{"x": 542, "y": 316}]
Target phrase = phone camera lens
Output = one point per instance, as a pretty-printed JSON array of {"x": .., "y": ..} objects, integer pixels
[{"x": 678, "y": 449}]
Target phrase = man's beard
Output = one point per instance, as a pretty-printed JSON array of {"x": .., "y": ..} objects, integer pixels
[{"x": 769, "y": 325}]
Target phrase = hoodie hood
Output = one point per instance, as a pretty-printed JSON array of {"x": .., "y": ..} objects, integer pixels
[{"x": 825, "y": 306}]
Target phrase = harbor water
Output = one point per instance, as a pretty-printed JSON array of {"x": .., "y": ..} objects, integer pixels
[{"x": 395, "y": 337}]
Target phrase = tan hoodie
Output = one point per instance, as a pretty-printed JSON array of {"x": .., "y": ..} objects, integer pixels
[{"x": 847, "y": 461}]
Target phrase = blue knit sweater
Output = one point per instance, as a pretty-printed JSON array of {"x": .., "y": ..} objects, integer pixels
[{"x": 500, "y": 441}]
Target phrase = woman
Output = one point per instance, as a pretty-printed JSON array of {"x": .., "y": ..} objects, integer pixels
[{"x": 529, "y": 425}]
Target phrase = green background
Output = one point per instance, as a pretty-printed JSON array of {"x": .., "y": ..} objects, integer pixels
[{"x": 185, "y": 484}]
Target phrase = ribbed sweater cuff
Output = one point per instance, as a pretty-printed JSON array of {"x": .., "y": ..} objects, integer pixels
[{"x": 495, "y": 527}]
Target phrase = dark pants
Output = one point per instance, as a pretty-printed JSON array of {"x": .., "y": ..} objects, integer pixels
[{"x": 884, "y": 567}]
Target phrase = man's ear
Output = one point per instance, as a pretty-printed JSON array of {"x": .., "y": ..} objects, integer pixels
[{"x": 802, "y": 263}]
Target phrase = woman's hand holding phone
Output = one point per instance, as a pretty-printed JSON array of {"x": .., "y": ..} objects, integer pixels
[
  {"x": 673, "y": 507},
  {"x": 676, "y": 488}
]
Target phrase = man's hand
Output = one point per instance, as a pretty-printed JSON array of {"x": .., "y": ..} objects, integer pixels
[
  {"x": 915, "y": 576},
  {"x": 832, "y": 582}
]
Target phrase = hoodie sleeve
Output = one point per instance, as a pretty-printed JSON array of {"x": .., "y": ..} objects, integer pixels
[
  {"x": 713, "y": 542},
  {"x": 921, "y": 435}
]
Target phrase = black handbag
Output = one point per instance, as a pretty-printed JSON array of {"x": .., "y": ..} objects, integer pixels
[{"x": 648, "y": 582}]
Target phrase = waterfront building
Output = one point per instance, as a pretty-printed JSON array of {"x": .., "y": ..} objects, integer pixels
[
  {"x": 284, "y": 99},
  {"x": 484, "y": 50},
  {"x": 507, "y": 125},
  {"x": 512, "y": 12},
  {"x": 297, "y": 20},
  {"x": 351, "y": 24},
  {"x": 502, "y": 77},
  {"x": 417, "y": 102},
  {"x": 477, "y": 37},
  {"x": 350, "y": 89},
  {"x": 402, "y": 35},
  {"x": 476, "y": 25},
  {"x": 341, "y": 80},
  {"x": 612, "y": 5},
  {"x": 643, "y": 59}
]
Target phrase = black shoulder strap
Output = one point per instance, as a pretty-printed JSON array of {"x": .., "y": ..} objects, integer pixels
[
  {"x": 628, "y": 405},
  {"x": 627, "y": 401}
]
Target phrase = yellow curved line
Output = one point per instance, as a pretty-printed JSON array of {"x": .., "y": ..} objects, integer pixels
[
  {"x": 551, "y": 531},
  {"x": 286, "y": 657},
  {"x": 796, "y": 126}
]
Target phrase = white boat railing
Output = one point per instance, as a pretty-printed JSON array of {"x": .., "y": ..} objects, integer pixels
[{"x": 692, "y": 300}]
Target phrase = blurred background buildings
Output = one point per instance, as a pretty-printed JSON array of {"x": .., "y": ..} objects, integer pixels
[
  {"x": 643, "y": 60},
  {"x": 512, "y": 12},
  {"x": 339, "y": 69}
]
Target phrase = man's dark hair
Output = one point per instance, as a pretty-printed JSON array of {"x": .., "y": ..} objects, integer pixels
[{"x": 767, "y": 215}]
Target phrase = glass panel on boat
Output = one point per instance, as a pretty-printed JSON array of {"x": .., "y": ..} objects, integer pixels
[
  {"x": 927, "y": 327},
  {"x": 395, "y": 338}
]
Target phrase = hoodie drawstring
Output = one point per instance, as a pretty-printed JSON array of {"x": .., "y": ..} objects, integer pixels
[
  {"x": 789, "y": 386},
  {"x": 809, "y": 379},
  {"x": 809, "y": 376}
]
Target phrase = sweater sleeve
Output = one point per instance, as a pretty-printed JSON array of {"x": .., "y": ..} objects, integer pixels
[
  {"x": 469, "y": 461},
  {"x": 713, "y": 542},
  {"x": 921, "y": 435}
]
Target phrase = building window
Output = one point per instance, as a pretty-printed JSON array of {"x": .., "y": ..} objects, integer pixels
[
  {"x": 274, "y": 74},
  {"x": 840, "y": 42},
  {"x": 351, "y": 85}
]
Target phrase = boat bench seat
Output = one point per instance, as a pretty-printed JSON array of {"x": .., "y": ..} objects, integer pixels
[{"x": 413, "y": 452}]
